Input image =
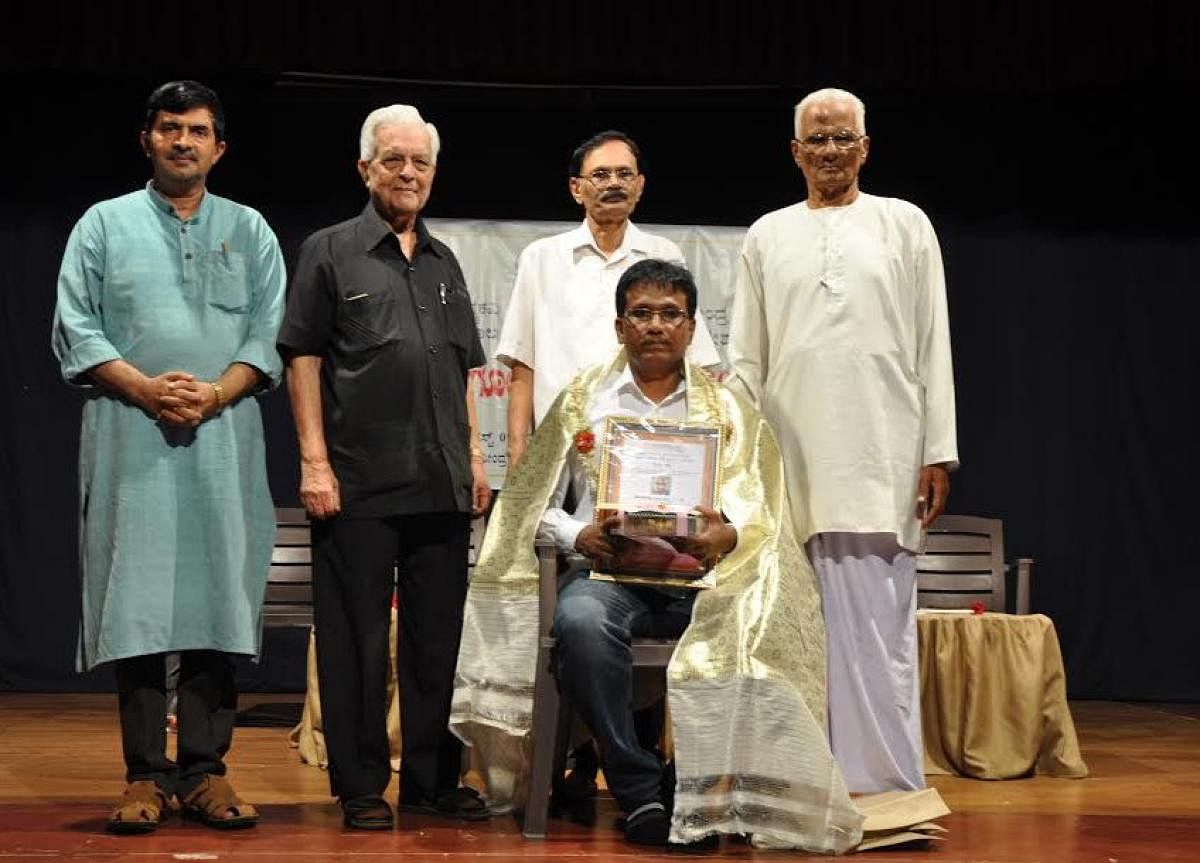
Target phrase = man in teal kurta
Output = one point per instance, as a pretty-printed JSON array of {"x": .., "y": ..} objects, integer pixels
[{"x": 169, "y": 300}]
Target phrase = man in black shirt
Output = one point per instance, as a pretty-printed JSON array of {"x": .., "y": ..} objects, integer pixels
[{"x": 379, "y": 336}]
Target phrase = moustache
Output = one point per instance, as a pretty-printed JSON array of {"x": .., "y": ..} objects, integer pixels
[{"x": 614, "y": 195}]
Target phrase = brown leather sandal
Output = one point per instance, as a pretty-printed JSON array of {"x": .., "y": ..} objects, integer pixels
[
  {"x": 142, "y": 808},
  {"x": 214, "y": 803}
]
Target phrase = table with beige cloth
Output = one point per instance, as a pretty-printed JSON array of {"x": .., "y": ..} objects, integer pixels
[{"x": 994, "y": 697}]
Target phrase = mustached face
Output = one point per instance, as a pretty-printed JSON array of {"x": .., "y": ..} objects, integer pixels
[
  {"x": 182, "y": 148},
  {"x": 655, "y": 328},
  {"x": 610, "y": 184}
]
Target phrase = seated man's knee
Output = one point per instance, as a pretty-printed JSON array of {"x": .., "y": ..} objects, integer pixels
[
  {"x": 584, "y": 626},
  {"x": 578, "y": 620}
]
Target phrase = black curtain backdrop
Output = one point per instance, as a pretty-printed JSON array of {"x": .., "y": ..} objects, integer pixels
[{"x": 1047, "y": 142}]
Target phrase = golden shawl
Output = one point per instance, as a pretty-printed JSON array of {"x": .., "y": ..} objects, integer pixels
[{"x": 746, "y": 684}]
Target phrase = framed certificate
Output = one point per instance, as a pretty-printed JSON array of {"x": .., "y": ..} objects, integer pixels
[{"x": 653, "y": 475}]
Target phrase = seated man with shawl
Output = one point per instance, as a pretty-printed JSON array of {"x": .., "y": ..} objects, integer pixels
[{"x": 746, "y": 685}]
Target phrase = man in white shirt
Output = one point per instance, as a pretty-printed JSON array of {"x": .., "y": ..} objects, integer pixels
[
  {"x": 559, "y": 317},
  {"x": 840, "y": 334},
  {"x": 746, "y": 682},
  {"x": 595, "y": 619}
]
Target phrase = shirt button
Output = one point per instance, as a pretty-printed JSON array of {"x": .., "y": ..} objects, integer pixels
[
  {"x": 411, "y": 268},
  {"x": 436, "y": 394},
  {"x": 421, "y": 308},
  {"x": 183, "y": 230},
  {"x": 433, "y": 349},
  {"x": 188, "y": 256}
]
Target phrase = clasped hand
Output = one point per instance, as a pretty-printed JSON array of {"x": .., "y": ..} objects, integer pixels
[{"x": 177, "y": 398}]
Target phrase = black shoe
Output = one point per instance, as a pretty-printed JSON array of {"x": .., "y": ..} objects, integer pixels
[
  {"x": 366, "y": 812},
  {"x": 463, "y": 803},
  {"x": 580, "y": 783},
  {"x": 577, "y": 786},
  {"x": 648, "y": 825}
]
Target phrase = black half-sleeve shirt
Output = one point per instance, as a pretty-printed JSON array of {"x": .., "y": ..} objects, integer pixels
[{"x": 396, "y": 338}]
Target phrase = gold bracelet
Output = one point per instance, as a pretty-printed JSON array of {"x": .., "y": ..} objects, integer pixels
[{"x": 219, "y": 392}]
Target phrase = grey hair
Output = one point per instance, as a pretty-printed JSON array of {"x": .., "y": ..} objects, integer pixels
[
  {"x": 394, "y": 115},
  {"x": 833, "y": 94}
]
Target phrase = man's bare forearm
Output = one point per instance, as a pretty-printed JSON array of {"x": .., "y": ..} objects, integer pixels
[
  {"x": 239, "y": 380},
  {"x": 473, "y": 442},
  {"x": 124, "y": 379},
  {"x": 304, "y": 390},
  {"x": 520, "y": 408}
]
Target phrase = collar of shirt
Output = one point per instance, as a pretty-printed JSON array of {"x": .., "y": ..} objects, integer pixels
[
  {"x": 620, "y": 394},
  {"x": 166, "y": 207},
  {"x": 581, "y": 239},
  {"x": 373, "y": 230}
]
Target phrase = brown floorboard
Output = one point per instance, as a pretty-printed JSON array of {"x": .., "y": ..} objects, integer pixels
[{"x": 60, "y": 771}]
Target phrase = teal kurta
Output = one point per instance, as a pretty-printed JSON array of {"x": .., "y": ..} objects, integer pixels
[{"x": 176, "y": 524}]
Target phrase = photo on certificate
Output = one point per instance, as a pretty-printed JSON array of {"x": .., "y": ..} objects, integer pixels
[{"x": 653, "y": 475}]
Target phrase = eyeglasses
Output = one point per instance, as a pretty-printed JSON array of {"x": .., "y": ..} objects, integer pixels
[
  {"x": 394, "y": 164},
  {"x": 604, "y": 176},
  {"x": 670, "y": 317},
  {"x": 841, "y": 140}
]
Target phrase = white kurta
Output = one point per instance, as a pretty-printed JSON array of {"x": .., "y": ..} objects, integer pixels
[
  {"x": 560, "y": 315},
  {"x": 840, "y": 334}
]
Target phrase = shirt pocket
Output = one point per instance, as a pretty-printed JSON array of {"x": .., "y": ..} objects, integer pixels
[
  {"x": 460, "y": 325},
  {"x": 366, "y": 320},
  {"x": 226, "y": 286}
]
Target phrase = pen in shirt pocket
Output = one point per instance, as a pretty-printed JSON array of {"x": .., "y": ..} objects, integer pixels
[{"x": 442, "y": 291}]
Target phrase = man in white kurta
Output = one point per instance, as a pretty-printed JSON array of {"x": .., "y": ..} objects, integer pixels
[
  {"x": 840, "y": 333},
  {"x": 559, "y": 317}
]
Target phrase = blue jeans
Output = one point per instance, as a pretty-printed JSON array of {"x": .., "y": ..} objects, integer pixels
[{"x": 593, "y": 625}]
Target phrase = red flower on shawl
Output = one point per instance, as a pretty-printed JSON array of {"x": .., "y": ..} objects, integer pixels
[
  {"x": 585, "y": 441},
  {"x": 978, "y": 608}
]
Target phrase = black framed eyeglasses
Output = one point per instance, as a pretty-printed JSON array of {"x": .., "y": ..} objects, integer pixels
[{"x": 670, "y": 317}]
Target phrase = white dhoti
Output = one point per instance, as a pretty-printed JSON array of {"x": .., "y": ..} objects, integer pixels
[{"x": 869, "y": 596}]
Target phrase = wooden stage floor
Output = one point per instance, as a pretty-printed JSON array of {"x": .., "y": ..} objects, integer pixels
[{"x": 60, "y": 772}]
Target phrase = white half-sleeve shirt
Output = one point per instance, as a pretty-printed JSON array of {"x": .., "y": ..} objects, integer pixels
[
  {"x": 560, "y": 316},
  {"x": 840, "y": 334}
]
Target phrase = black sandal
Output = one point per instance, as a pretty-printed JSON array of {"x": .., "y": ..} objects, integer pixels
[
  {"x": 463, "y": 803},
  {"x": 368, "y": 812}
]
